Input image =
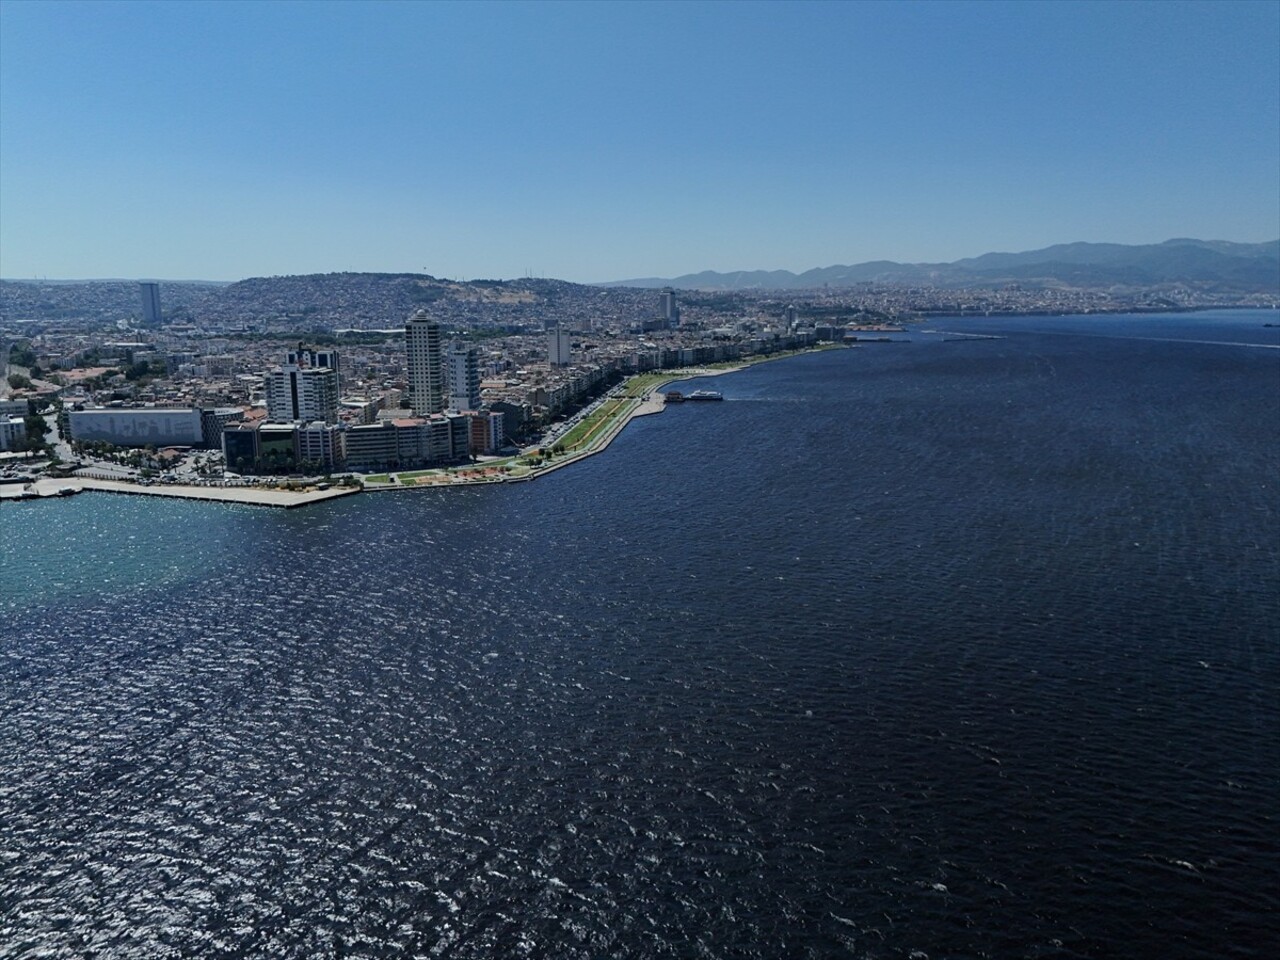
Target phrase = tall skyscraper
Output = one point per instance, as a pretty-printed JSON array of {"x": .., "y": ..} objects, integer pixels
[
  {"x": 305, "y": 388},
  {"x": 150, "y": 302},
  {"x": 670, "y": 308},
  {"x": 425, "y": 356},
  {"x": 462, "y": 362},
  {"x": 559, "y": 344}
]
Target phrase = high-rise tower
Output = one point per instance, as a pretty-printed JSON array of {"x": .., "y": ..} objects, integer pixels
[
  {"x": 425, "y": 356},
  {"x": 670, "y": 308},
  {"x": 559, "y": 347},
  {"x": 150, "y": 302}
]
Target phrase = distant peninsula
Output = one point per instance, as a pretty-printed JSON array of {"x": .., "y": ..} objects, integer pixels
[{"x": 1216, "y": 266}]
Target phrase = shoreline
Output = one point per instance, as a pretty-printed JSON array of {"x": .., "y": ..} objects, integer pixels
[
  {"x": 651, "y": 402},
  {"x": 646, "y": 404}
]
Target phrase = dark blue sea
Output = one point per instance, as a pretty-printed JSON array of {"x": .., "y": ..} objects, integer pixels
[{"x": 943, "y": 648}]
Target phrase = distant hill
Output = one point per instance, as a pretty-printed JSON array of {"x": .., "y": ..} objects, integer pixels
[
  {"x": 1211, "y": 265},
  {"x": 313, "y": 301}
]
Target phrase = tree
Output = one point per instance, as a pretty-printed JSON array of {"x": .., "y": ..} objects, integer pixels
[
  {"x": 21, "y": 355},
  {"x": 36, "y": 430}
]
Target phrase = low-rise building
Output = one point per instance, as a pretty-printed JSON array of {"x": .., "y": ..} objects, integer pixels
[
  {"x": 212, "y": 422},
  {"x": 321, "y": 445},
  {"x": 240, "y": 446},
  {"x": 138, "y": 426},
  {"x": 408, "y": 442},
  {"x": 13, "y": 432}
]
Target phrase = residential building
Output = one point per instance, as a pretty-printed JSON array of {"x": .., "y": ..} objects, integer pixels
[
  {"x": 408, "y": 442},
  {"x": 321, "y": 444},
  {"x": 462, "y": 361},
  {"x": 13, "y": 432},
  {"x": 488, "y": 432},
  {"x": 302, "y": 393},
  {"x": 372, "y": 446},
  {"x": 515, "y": 417},
  {"x": 425, "y": 360},
  {"x": 559, "y": 347},
  {"x": 313, "y": 359}
]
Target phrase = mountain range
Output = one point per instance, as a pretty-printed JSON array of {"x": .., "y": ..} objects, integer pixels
[{"x": 1212, "y": 265}]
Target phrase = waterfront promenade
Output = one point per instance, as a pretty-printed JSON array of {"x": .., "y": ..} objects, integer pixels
[
  {"x": 638, "y": 397},
  {"x": 255, "y": 496}
]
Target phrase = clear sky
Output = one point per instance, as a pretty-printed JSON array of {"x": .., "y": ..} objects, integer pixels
[{"x": 602, "y": 141}]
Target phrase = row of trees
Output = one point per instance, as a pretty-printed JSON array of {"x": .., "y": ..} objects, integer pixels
[{"x": 275, "y": 463}]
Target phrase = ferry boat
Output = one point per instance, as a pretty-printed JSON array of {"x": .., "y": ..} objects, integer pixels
[
  {"x": 705, "y": 395},
  {"x": 673, "y": 396}
]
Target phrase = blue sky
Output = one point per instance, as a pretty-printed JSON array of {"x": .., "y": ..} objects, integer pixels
[{"x": 604, "y": 141}]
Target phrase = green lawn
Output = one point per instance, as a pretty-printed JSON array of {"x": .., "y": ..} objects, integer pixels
[
  {"x": 588, "y": 428},
  {"x": 642, "y": 383}
]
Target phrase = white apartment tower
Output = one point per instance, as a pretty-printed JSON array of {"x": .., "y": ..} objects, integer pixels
[
  {"x": 302, "y": 390},
  {"x": 303, "y": 357},
  {"x": 425, "y": 356},
  {"x": 559, "y": 343},
  {"x": 462, "y": 363}
]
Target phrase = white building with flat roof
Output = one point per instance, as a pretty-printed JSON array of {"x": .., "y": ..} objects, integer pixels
[
  {"x": 462, "y": 364},
  {"x": 305, "y": 388},
  {"x": 138, "y": 426},
  {"x": 302, "y": 394},
  {"x": 13, "y": 432}
]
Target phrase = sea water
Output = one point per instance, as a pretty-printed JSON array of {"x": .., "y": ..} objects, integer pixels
[{"x": 937, "y": 648}]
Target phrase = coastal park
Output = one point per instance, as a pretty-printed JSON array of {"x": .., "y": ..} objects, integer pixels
[{"x": 595, "y": 430}]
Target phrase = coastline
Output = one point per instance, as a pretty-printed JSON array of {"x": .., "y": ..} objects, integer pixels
[{"x": 645, "y": 403}]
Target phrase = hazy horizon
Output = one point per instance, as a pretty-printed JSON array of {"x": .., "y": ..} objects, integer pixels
[
  {"x": 595, "y": 143},
  {"x": 460, "y": 279}
]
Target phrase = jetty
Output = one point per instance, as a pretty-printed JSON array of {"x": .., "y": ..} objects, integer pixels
[{"x": 253, "y": 496}]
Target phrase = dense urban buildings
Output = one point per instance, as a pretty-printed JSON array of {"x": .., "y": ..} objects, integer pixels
[{"x": 475, "y": 369}]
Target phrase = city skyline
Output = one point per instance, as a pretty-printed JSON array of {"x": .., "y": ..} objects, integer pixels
[{"x": 594, "y": 143}]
